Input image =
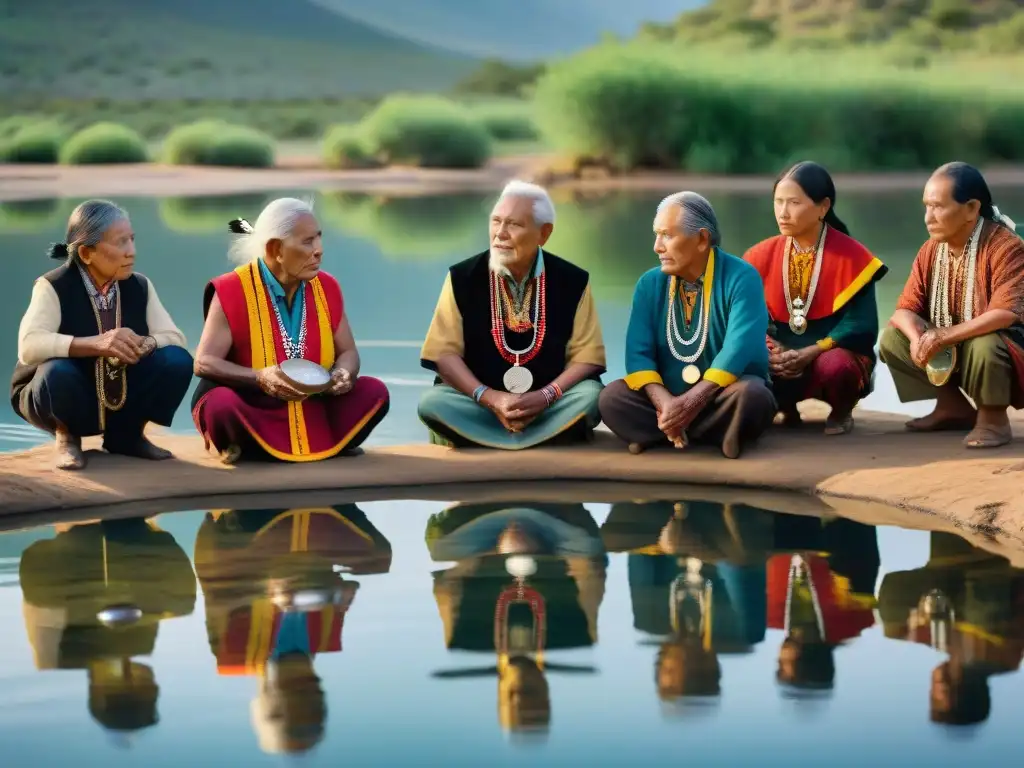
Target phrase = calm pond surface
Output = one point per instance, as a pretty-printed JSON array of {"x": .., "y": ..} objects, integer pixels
[
  {"x": 410, "y": 632},
  {"x": 391, "y": 255}
]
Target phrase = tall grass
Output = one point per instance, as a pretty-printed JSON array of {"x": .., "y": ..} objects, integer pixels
[{"x": 651, "y": 106}]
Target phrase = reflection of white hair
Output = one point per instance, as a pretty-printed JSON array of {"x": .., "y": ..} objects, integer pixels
[
  {"x": 276, "y": 221},
  {"x": 543, "y": 208}
]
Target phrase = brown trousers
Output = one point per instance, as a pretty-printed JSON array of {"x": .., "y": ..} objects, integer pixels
[{"x": 737, "y": 416}]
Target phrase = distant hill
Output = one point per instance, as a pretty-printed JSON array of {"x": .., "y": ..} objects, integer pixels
[
  {"x": 993, "y": 25},
  {"x": 522, "y": 30},
  {"x": 202, "y": 49}
]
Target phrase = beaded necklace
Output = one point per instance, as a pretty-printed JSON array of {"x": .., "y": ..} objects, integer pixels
[
  {"x": 691, "y": 374},
  {"x": 940, "y": 307},
  {"x": 519, "y": 593},
  {"x": 293, "y": 349},
  {"x": 518, "y": 379},
  {"x": 109, "y": 367},
  {"x": 798, "y": 306}
]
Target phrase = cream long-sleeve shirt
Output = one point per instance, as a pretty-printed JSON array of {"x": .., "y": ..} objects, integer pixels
[{"x": 39, "y": 341}]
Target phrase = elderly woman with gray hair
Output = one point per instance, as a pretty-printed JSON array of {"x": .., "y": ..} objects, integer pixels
[
  {"x": 280, "y": 305},
  {"x": 97, "y": 352},
  {"x": 696, "y": 361}
]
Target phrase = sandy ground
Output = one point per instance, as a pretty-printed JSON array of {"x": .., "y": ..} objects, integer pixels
[
  {"x": 28, "y": 182},
  {"x": 878, "y": 474}
]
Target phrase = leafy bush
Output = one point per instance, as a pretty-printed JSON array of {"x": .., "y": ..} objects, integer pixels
[
  {"x": 651, "y": 108},
  {"x": 33, "y": 142},
  {"x": 426, "y": 131},
  {"x": 498, "y": 78},
  {"x": 345, "y": 146},
  {"x": 215, "y": 142},
  {"x": 104, "y": 143},
  {"x": 507, "y": 121}
]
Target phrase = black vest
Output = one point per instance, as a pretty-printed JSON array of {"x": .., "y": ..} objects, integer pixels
[
  {"x": 471, "y": 286},
  {"x": 78, "y": 319}
]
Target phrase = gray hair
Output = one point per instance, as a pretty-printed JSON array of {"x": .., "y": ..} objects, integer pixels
[
  {"x": 695, "y": 214},
  {"x": 87, "y": 225},
  {"x": 543, "y": 208},
  {"x": 275, "y": 222}
]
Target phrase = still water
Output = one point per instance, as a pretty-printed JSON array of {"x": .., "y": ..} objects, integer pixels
[
  {"x": 391, "y": 255},
  {"x": 541, "y": 633}
]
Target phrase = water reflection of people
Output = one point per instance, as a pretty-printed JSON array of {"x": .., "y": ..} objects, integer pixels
[
  {"x": 696, "y": 581},
  {"x": 529, "y": 578},
  {"x": 820, "y": 593},
  {"x": 968, "y": 604},
  {"x": 274, "y": 601},
  {"x": 94, "y": 596}
]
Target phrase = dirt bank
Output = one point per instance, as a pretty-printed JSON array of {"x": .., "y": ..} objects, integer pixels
[
  {"x": 877, "y": 474},
  {"x": 27, "y": 182}
]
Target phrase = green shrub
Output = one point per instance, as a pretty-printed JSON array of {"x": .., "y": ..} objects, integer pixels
[
  {"x": 104, "y": 143},
  {"x": 209, "y": 213},
  {"x": 652, "y": 108},
  {"x": 507, "y": 122},
  {"x": 35, "y": 142},
  {"x": 426, "y": 131},
  {"x": 215, "y": 142},
  {"x": 345, "y": 146}
]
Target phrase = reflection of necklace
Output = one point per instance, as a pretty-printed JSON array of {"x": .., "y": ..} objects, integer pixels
[
  {"x": 798, "y": 306},
  {"x": 517, "y": 594},
  {"x": 939, "y": 299},
  {"x": 798, "y": 567}
]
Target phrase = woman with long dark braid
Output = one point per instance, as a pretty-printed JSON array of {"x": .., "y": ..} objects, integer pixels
[
  {"x": 965, "y": 297},
  {"x": 819, "y": 285}
]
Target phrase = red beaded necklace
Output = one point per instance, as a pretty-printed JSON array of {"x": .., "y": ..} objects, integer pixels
[
  {"x": 511, "y": 595},
  {"x": 523, "y": 356}
]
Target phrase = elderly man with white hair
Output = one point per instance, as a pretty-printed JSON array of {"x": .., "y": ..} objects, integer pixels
[
  {"x": 280, "y": 305},
  {"x": 696, "y": 362},
  {"x": 515, "y": 339}
]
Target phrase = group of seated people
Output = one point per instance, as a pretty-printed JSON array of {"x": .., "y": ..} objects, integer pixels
[{"x": 717, "y": 346}]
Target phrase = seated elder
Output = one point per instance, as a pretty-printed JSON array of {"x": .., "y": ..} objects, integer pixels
[
  {"x": 964, "y": 298},
  {"x": 279, "y": 305},
  {"x": 97, "y": 352},
  {"x": 696, "y": 360},
  {"x": 819, "y": 284},
  {"x": 523, "y": 367}
]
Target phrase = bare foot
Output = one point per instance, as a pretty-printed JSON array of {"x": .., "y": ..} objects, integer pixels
[
  {"x": 69, "y": 454},
  {"x": 991, "y": 430},
  {"x": 839, "y": 425},
  {"x": 231, "y": 455},
  {"x": 952, "y": 412},
  {"x": 140, "y": 448}
]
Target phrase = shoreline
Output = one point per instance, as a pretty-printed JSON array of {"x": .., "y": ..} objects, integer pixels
[
  {"x": 34, "y": 182},
  {"x": 879, "y": 473}
]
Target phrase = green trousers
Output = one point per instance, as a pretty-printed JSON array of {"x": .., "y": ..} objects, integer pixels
[{"x": 984, "y": 369}]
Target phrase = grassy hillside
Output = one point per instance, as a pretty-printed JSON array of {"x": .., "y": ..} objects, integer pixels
[
  {"x": 979, "y": 26},
  {"x": 515, "y": 31},
  {"x": 248, "y": 50}
]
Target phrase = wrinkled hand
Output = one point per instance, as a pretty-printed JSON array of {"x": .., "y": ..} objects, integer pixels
[
  {"x": 526, "y": 408},
  {"x": 122, "y": 344},
  {"x": 341, "y": 382},
  {"x": 274, "y": 384},
  {"x": 679, "y": 412},
  {"x": 774, "y": 346},
  {"x": 927, "y": 345},
  {"x": 501, "y": 404},
  {"x": 792, "y": 363}
]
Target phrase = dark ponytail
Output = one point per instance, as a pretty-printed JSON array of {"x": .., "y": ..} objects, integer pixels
[
  {"x": 817, "y": 184},
  {"x": 969, "y": 184}
]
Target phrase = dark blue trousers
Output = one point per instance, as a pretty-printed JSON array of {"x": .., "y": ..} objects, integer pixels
[{"x": 63, "y": 393}]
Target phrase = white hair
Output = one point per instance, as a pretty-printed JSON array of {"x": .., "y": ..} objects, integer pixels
[
  {"x": 695, "y": 214},
  {"x": 543, "y": 208},
  {"x": 276, "y": 221}
]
